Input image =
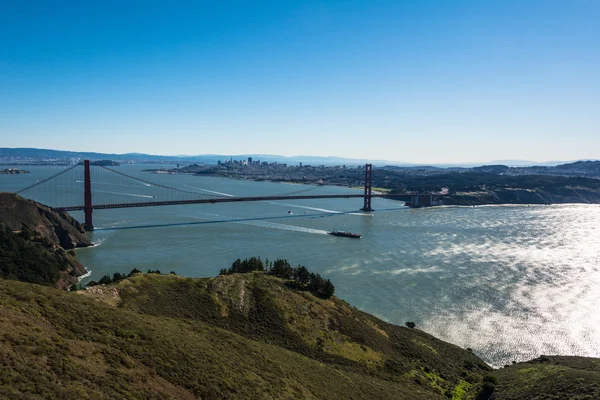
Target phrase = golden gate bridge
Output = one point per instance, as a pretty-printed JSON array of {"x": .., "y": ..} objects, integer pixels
[{"x": 74, "y": 188}]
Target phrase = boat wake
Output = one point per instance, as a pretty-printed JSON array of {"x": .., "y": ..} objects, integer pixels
[
  {"x": 210, "y": 191},
  {"x": 282, "y": 227},
  {"x": 319, "y": 209},
  {"x": 270, "y": 225},
  {"x": 125, "y": 194}
]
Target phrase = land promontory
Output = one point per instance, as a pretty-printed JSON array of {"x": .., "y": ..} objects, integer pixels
[{"x": 35, "y": 240}]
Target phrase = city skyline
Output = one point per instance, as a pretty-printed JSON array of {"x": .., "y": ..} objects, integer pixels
[{"x": 428, "y": 82}]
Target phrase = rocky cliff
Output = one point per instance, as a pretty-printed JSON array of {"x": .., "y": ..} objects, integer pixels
[
  {"x": 37, "y": 226},
  {"x": 58, "y": 227}
]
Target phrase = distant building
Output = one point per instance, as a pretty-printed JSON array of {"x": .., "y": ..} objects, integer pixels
[{"x": 249, "y": 160}]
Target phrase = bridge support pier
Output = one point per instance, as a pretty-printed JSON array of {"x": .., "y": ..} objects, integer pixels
[
  {"x": 87, "y": 197},
  {"x": 368, "y": 185}
]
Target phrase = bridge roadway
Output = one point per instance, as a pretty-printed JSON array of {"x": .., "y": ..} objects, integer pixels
[{"x": 234, "y": 200}]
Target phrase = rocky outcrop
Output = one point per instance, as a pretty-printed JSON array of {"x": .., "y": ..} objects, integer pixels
[
  {"x": 55, "y": 231},
  {"x": 57, "y": 227}
]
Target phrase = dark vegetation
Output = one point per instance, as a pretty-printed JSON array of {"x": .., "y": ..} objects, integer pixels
[
  {"x": 117, "y": 277},
  {"x": 297, "y": 278},
  {"x": 28, "y": 257},
  {"x": 34, "y": 239},
  {"x": 57, "y": 227}
]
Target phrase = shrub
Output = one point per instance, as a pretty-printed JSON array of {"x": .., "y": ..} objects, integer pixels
[
  {"x": 491, "y": 379},
  {"x": 410, "y": 324},
  {"x": 487, "y": 389},
  {"x": 298, "y": 278}
]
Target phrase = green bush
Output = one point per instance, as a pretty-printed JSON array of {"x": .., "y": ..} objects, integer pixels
[
  {"x": 298, "y": 278},
  {"x": 27, "y": 261},
  {"x": 491, "y": 379}
]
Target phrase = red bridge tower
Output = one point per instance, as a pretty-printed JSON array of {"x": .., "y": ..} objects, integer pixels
[
  {"x": 87, "y": 197},
  {"x": 368, "y": 185}
]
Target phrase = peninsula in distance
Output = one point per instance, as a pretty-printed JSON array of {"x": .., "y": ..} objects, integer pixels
[{"x": 572, "y": 182}]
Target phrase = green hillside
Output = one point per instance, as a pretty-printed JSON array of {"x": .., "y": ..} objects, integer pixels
[
  {"x": 551, "y": 378},
  {"x": 58, "y": 344}
]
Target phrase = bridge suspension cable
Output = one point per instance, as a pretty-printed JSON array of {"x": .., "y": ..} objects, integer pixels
[
  {"x": 47, "y": 179},
  {"x": 154, "y": 184}
]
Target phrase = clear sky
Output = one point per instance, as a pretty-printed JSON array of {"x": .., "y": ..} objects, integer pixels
[{"x": 409, "y": 80}]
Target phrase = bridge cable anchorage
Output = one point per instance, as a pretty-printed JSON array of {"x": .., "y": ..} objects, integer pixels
[
  {"x": 156, "y": 184},
  {"x": 47, "y": 179}
]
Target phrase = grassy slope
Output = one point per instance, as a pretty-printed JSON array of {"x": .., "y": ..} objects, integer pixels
[
  {"x": 554, "y": 377},
  {"x": 329, "y": 331},
  {"x": 160, "y": 337},
  {"x": 61, "y": 345}
]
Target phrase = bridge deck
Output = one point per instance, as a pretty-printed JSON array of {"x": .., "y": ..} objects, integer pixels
[{"x": 233, "y": 200}]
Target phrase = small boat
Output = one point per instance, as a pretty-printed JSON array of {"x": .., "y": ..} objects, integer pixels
[{"x": 345, "y": 234}]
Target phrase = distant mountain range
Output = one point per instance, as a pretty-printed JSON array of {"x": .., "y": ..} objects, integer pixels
[{"x": 33, "y": 154}]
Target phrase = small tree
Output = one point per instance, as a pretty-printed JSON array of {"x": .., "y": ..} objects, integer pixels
[
  {"x": 315, "y": 283},
  {"x": 282, "y": 269},
  {"x": 117, "y": 276},
  {"x": 236, "y": 267},
  {"x": 410, "y": 324},
  {"x": 328, "y": 289},
  {"x": 105, "y": 280},
  {"x": 301, "y": 274}
]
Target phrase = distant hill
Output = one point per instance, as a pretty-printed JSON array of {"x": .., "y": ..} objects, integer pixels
[{"x": 33, "y": 154}]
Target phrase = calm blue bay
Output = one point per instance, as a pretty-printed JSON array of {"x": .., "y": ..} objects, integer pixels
[{"x": 510, "y": 282}]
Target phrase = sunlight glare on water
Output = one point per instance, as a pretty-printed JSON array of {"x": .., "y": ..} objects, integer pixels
[{"x": 510, "y": 282}]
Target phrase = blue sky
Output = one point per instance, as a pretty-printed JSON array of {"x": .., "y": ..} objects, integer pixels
[{"x": 428, "y": 81}]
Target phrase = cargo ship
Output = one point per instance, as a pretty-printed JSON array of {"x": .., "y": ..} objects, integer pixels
[{"x": 345, "y": 234}]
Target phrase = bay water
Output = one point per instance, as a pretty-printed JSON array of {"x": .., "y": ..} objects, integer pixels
[{"x": 509, "y": 282}]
